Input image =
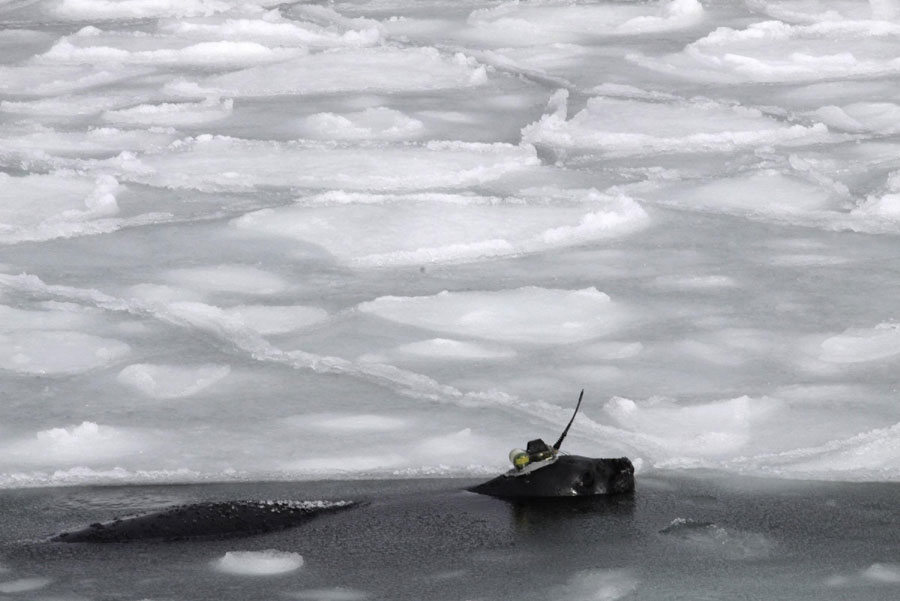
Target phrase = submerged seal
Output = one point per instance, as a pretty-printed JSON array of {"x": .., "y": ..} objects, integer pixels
[{"x": 204, "y": 520}]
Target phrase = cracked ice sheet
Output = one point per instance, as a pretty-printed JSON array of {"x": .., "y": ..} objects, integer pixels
[
  {"x": 211, "y": 163},
  {"x": 419, "y": 229}
]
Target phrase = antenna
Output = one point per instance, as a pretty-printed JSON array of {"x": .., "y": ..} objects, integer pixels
[{"x": 566, "y": 431}]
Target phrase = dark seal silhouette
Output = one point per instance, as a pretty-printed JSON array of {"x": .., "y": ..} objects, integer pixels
[
  {"x": 568, "y": 476},
  {"x": 205, "y": 520},
  {"x": 541, "y": 471}
]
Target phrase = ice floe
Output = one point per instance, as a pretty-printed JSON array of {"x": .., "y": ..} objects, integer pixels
[
  {"x": 171, "y": 381},
  {"x": 380, "y": 123},
  {"x": 729, "y": 543},
  {"x": 620, "y": 127},
  {"x": 438, "y": 228},
  {"x": 379, "y": 69},
  {"x": 774, "y": 51},
  {"x": 859, "y": 345},
  {"x": 330, "y": 594},
  {"x": 219, "y": 163},
  {"x": 171, "y": 114},
  {"x": 532, "y": 23},
  {"x": 57, "y": 352},
  {"x": 259, "y": 563},
  {"x": 530, "y": 314},
  {"x": 64, "y": 446},
  {"x": 46, "y": 206}
]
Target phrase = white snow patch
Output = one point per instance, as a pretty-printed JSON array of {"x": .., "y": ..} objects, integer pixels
[
  {"x": 85, "y": 442},
  {"x": 350, "y": 423},
  {"x": 259, "y": 563},
  {"x": 884, "y": 573},
  {"x": 529, "y": 314},
  {"x": 171, "y": 381}
]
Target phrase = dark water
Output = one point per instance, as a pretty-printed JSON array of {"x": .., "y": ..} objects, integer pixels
[{"x": 698, "y": 537}]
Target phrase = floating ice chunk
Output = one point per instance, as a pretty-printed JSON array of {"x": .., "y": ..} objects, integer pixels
[
  {"x": 879, "y": 117},
  {"x": 173, "y": 114},
  {"x": 380, "y": 69},
  {"x": 92, "y": 10},
  {"x": 773, "y": 51},
  {"x": 765, "y": 193},
  {"x": 23, "y": 585},
  {"x": 695, "y": 282},
  {"x": 597, "y": 585},
  {"x": 445, "y": 349},
  {"x": 273, "y": 319},
  {"x": 348, "y": 464},
  {"x": 52, "y": 318},
  {"x": 625, "y": 127},
  {"x": 440, "y": 228},
  {"x": 221, "y": 163},
  {"x": 886, "y": 573},
  {"x": 530, "y": 314},
  {"x": 57, "y": 352},
  {"x": 706, "y": 429},
  {"x": 887, "y": 206},
  {"x": 527, "y": 24},
  {"x": 872, "y": 455},
  {"x": 171, "y": 381},
  {"x": 859, "y": 345},
  {"x": 228, "y": 278},
  {"x": 47, "y": 79},
  {"x": 259, "y": 563},
  {"x": 379, "y": 123},
  {"x": 271, "y": 29},
  {"x": 38, "y": 142},
  {"x": 66, "y": 106},
  {"x": 814, "y": 11},
  {"x": 330, "y": 594},
  {"x": 202, "y": 54},
  {"x": 85, "y": 442},
  {"x": 729, "y": 542}
]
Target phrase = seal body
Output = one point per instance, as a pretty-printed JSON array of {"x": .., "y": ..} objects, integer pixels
[
  {"x": 567, "y": 476},
  {"x": 204, "y": 520}
]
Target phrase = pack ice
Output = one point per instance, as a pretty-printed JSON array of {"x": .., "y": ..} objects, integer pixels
[{"x": 248, "y": 239}]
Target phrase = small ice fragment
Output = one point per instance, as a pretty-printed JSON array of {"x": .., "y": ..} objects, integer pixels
[
  {"x": 259, "y": 563},
  {"x": 23, "y": 585}
]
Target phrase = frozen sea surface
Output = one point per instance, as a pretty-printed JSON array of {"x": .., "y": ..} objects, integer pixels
[
  {"x": 246, "y": 240},
  {"x": 674, "y": 538}
]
